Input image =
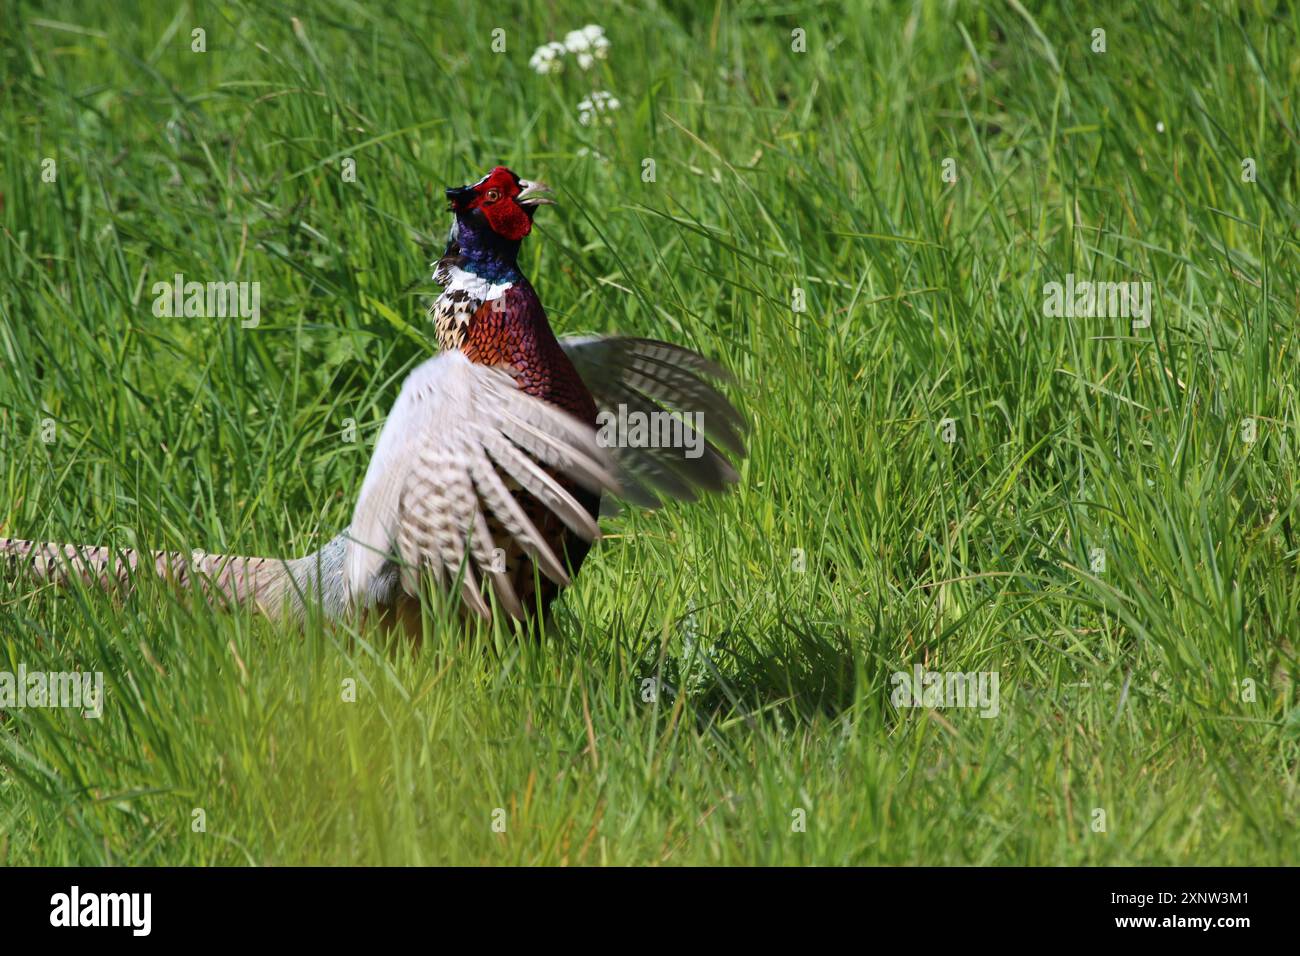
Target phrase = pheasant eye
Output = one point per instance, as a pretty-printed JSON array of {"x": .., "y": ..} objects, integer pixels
[{"x": 493, "y": 195}]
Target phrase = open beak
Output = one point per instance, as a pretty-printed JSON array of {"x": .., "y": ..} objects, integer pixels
[{"x": 533, "y": 194}]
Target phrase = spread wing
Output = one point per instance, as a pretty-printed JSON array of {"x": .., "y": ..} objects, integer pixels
[
  {"x": 655, "y": 379},
  {"x": 458, "y": 439}
]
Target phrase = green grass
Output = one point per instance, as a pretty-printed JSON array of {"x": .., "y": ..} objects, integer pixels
[{"x": 1121, "y": 689}]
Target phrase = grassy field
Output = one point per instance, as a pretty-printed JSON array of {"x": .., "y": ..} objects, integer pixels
[{"x": 1099, "y": 511}]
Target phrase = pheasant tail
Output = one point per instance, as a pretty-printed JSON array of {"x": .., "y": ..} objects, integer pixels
[{"x": 270, "y": 586}]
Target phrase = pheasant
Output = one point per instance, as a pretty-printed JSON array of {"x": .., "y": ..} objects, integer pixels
[{"x": 490, "y": 471}]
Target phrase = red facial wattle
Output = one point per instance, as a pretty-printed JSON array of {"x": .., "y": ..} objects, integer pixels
[
  {"x": 495, "y": 198},
  {"x": 507, "y": 218}
]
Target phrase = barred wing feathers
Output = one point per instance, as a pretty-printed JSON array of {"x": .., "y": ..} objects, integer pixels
[
  {"x": 649, "y": 377},
  {"x": 460, "y": 437}
]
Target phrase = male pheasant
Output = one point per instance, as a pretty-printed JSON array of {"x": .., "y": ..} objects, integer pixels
[{"x": 489, "y": 466}]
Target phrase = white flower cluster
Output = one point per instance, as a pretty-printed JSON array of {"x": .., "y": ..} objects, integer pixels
[
  {"x": 546, "y": 58},
  {"x": 590, "y": 109},
  {"x": 588, "y": 45}
]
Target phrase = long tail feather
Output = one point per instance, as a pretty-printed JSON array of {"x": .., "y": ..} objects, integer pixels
[{"x": 272, "y": 586}]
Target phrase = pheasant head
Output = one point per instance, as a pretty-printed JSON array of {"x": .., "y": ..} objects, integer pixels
[{"x": 495, "y": 213}]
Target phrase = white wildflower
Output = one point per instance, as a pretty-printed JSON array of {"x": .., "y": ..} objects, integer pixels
[
  {"x": 588, "y": 44},
  {"x": 595, "y": 106},
  {"x": 548, "y": 58}
]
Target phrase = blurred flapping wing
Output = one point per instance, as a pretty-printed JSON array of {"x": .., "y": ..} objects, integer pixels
[
  {"x": 460, "y": 437},
  {"x": 648, "y": 391}
]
